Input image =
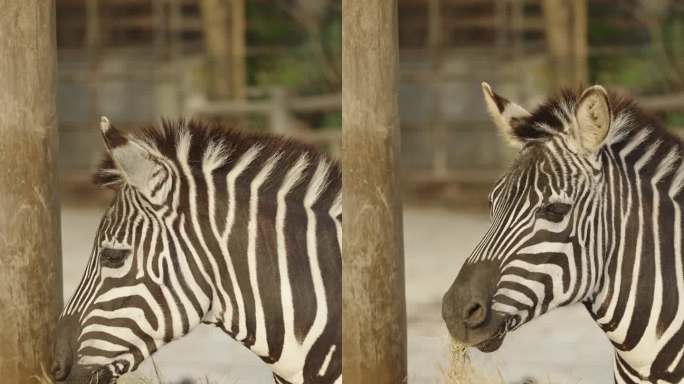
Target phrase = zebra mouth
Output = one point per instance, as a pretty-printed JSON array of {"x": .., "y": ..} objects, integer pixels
[
  {"x": 109, "y": 374},
  {"x": 491, "y": 344},
  {"x": 102, "y": 375},
  {"x": 494, "y": 342}
]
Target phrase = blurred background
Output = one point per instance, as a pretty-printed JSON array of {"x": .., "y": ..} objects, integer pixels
[{"x": 274, "y": 65}]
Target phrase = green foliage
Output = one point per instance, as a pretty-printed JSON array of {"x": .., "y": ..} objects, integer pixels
[
  {"x": 639, "y": 51},
  {"x": 636, "y": 72},
  {"x": 675, "y": 120},
  {"x": 270, "y": 25},
  {"x": 295, "y": 70},
  {"x": 288, "y": 54},
  {"x": 332, "y": 120},
  {"x": 296, "y": 50}
]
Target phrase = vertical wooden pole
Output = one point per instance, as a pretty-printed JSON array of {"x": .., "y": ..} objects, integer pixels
[
  {"x": 224, "y": 36},
  {"x": 94, "y": 38},
  {"x": 30, "y": 260},
  {"x": 435, "y": 48},
  {"x": 216, "y": 24},
  {"x": 580, "y": 41},
  {"x": 566, "y": 37},
  {"x": 373, "y": 293},
  {"x": 239, "y": 70},
  {"x": 557, "y": 19}
]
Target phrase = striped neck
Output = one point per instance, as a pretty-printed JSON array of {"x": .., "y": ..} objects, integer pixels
[{"x": 639, "y": 246}]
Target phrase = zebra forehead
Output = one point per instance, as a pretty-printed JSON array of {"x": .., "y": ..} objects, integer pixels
[
  {"x": 538, "y": 167},
  {"x": 213, "y": 145}
]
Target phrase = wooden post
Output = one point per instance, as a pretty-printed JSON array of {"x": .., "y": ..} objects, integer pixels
[
  {"x": 373, "y": 293},
  {"x": 238, "y": 65},
  {"x": 216, "y": 23},
  {"x": 435, "y": 47},
  {"x": 280, "y": 118},
  {"x": 566, "y": 38},
  {"x": 30, "y": 271},
  {"x": 93, "y": 50},
  {"x": 224, "y": 36},
  {"x": 580, "y": 41},
  {"x": 558, "y": 41}
]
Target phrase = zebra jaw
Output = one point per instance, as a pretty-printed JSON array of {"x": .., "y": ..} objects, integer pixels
[
  {"x": 493, "y": 343},
  {"x": 109, "y": 374}
]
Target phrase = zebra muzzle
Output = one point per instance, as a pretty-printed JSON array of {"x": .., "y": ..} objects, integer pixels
[
  {"x": 494, "y": 342},
  {"x": 108, "y": 374},
  {"x": 467, "y": 307}
]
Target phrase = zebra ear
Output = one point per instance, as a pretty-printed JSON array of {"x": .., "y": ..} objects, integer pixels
[
  {"x": 506, "y": 115},
  {"x": 137, "y": 166},
  {"x": 594, "y": 116}
]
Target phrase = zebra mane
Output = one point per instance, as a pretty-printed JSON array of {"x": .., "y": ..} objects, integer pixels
[
  {"x": 555, "y": 114},
  {"x": 218, "y": 146}
]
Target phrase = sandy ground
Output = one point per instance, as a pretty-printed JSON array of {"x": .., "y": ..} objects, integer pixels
[{"x": 561, "y": 347}]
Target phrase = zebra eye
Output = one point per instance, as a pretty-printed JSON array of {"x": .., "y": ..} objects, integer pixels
[
  {"x": 113, "y": 258},
  {"x": 557, "y": 210}
]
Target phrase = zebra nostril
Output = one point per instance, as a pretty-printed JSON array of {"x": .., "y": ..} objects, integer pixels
[
  {"x": 474, "y": 314},
  {"x": 59, "y": 370}
]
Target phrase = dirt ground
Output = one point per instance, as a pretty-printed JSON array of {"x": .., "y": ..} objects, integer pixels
[{"x": 561, "y": 347}]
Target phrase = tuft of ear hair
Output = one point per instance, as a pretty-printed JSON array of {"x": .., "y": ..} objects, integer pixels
[
  {"x": 136, "y": 163},
  {"x": 505, "y": 114},
  {"x": 594, "y": 116}
]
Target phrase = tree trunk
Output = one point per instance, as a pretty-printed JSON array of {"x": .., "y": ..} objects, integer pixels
[
  {"x": 30, "y": 257},
  {"x": 373, "y": 293}
]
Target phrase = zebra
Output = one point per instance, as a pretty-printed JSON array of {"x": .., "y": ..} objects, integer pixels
[
  {"x": 590, "y": 212},
  {"x": 209, "y": 225}
]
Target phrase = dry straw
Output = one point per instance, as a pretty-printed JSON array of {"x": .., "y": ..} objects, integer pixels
[{"x": 462, "y": 371}]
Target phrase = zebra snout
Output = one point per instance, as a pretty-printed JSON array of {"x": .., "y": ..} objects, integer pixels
[
  {"x": 62, "y": 357},
  {"x": 60, "y": 368},
  {"x": 475, "y": 313},
  {"x": 466, "y": 306}
]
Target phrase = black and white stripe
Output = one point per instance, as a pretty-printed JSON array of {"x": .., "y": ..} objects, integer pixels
[
  {"x": 210, "y": 225},
  {"x": 594, "y": 223}
]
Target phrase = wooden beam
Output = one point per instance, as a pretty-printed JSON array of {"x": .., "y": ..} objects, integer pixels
[
  {"x": 30, "y": 271},
  {"x": 373, "y": 293},
  {"x": 663, "y": 103}
]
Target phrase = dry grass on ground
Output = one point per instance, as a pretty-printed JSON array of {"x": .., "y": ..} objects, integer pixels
[{"x": 462, "y": 371}]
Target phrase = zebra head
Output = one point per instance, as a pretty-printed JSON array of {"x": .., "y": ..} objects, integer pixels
[
  {"x": 541, "y": 250},
  {"x": 130, "y": 300}
]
